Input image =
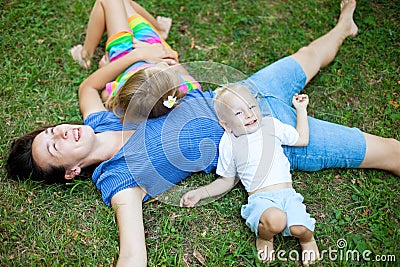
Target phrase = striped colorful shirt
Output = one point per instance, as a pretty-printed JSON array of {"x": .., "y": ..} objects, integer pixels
[{"x": 121, "y": 43}]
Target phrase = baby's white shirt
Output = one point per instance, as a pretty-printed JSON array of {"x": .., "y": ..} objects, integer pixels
[{"x": 258, "y": 158}]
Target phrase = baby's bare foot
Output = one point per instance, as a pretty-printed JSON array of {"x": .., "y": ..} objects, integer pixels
[
  {"x": 310, "y": 252},
  {"x": 81, "y": 56},
  {"x": 164, "y": 25},
  {"x": 347, "y": 8},
  {"x": 265, "y": 250}
]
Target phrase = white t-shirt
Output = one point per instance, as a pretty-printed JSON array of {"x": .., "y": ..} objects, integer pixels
[{"x": 258, "y": 158}]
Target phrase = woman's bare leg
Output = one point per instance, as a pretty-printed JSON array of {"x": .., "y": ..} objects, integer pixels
[
  {"x": 323, "y": 50},
  {"x": 382, "y": 153}
]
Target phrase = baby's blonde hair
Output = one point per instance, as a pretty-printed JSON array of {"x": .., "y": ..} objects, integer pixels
[
  {"x": 144, "y": 92},
  {"x": 219, "y": 103}
]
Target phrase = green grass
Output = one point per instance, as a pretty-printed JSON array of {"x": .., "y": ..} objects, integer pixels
[{"x": 70, "y": 226}]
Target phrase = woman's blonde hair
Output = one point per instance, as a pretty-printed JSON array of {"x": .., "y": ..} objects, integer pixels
[{"x": 144, "y": 93}]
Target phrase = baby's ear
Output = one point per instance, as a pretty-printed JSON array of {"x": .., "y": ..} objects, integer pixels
[
  {"x": 225, "y": 126},
  {"x": 70, "y": 174}
]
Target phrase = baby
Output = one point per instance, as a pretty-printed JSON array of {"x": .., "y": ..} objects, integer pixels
[{"x": 251, "y": 148}]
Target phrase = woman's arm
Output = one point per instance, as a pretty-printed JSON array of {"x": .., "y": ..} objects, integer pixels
[
  {"x": 89, "y": 98},
  {"x": 215, "y": 188},
  {"x": 128, "y": 209}
]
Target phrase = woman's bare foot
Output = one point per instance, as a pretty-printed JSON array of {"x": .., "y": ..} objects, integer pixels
[
  {"x": 310, "y": 252},
  {"x": 80, "y": 55},
  {"x": 347, "y": 8},
  {"x": 265, "y": 250},
  {"x": 164, "y": 25}
]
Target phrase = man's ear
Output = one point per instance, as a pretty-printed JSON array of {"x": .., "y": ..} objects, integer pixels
[
  {"x": 70, "y": 174},
  {"x": 225, "y": 126}
]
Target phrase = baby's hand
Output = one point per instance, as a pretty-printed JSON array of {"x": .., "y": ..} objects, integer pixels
[
  {"x": 300, "y": 101},
  {"x": 191, "y": 198}
]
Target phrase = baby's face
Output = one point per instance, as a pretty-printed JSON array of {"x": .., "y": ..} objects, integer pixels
[{"x": 242, "y": 114}]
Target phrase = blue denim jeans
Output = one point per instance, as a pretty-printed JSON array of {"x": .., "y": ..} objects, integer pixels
[{"x": 330, "y": 145}]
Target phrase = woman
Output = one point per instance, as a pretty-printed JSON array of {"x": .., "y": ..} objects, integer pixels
[{"x": 99, "y": 141}]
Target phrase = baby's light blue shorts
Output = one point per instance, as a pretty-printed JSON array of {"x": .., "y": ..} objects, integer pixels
[
  {"x": 288, "y": 200},
  {"x": 330, "y": 145}
]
